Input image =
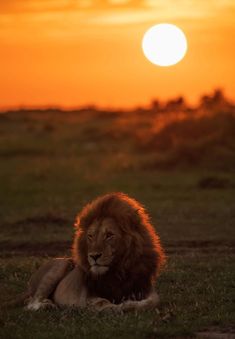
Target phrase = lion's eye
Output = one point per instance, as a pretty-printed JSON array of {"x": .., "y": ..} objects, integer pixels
[
  {"x": 89, "y": 236},
  {"x": 109, "y": 235}
]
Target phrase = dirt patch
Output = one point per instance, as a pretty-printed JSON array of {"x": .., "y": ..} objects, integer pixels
[
  {"x": 37, "y": 249},
  {"x": 200, "y": 243},
  {"x": 64, "y": 247},
  {"x": 48, "y": 218},
  {"x": 215, "y": 333},
  {"x": 202, "y": 246},
  {"x": 213, "y": 182}
]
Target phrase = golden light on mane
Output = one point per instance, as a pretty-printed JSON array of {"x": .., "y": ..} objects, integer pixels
[{"x": 139, "y": 244}]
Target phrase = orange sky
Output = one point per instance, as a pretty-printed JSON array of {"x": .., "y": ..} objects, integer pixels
[{"x": 77, "y": 52}]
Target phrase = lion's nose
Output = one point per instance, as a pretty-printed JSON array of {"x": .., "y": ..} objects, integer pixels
[{"x": 95, "y": 256}]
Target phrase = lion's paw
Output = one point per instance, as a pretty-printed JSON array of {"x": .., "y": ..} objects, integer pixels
[{"x": 36, "y": 304}]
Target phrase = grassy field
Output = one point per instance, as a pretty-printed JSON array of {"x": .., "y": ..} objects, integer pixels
[{"x": 52, "y": 163}]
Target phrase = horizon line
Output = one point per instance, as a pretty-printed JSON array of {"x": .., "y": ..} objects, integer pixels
[{"x": 98, "y": 107}]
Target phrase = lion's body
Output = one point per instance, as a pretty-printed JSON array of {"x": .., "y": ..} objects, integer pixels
[
  {"x": 116, "y": 258},
  {"x": 71, "y": 291}
]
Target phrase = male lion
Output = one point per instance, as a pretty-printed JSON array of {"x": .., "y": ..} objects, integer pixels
[{"x": 116, "y": 257}]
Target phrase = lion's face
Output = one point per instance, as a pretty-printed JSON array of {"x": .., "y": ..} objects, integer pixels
[{"x": 103, "y": 240}]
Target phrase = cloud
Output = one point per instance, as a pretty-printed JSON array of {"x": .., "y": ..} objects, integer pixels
[
  {"x": 114, "y": 12},
  {"x": 31, "y": 6}
]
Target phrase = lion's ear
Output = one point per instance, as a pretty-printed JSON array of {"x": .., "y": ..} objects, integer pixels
[
  {"x": 135, "y": 219},
  {"x": 129, "y": 223}
]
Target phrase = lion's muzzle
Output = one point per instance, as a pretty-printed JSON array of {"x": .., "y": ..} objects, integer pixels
[
  {"x": 97, "y": 263},
  {"x": 94, "y": 257}
]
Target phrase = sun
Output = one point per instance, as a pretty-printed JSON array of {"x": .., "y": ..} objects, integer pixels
[{"x": 164, "y": 44}]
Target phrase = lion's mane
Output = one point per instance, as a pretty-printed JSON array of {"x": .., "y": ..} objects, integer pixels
[{"x": 135, "y": 271}]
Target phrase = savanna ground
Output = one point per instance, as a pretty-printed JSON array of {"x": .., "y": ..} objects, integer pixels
[{"x": 52, "y": 163}]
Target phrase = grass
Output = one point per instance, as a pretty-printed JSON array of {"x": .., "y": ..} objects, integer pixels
[
  {"x": 196, "y": 291},
  {"x": 54, "y": 163}
]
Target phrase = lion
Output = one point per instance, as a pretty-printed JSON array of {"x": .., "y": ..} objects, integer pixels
[{"x": 116, "y": 258}]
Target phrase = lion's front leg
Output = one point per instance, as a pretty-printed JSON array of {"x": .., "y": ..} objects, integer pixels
[
  {"x": 44, "y": 281},
  {"x": 101, "y": 304},
  {"x": 150, "y": 302}
]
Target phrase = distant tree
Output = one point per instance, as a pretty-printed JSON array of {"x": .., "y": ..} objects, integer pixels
[
  {"x": 177, "y": 104},
  {"x": 214, "y": 102},
  {"x": 155, "y": 105},
  {"x": 218, "y": 96},
  {"x": 205, "y": 100}
]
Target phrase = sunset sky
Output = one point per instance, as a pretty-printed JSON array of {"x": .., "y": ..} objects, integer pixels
[{"x": 77, "y": 52}]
